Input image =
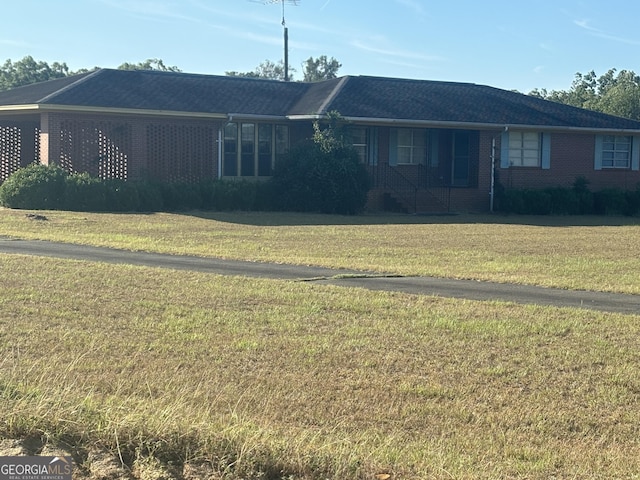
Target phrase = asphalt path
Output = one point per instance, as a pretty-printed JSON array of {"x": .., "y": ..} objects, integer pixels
[{"x": 451, "y": 288}]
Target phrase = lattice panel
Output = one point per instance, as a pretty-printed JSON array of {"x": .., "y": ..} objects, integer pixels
[
  {"x": 98, "y": 148},
  {"x": 181, "y": 153},
  {"x": 10, "y": 140}
]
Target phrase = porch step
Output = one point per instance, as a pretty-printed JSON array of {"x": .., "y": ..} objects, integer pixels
[{"x": 425, "y": 203}]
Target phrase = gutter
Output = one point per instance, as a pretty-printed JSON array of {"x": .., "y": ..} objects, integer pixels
[
  {"x": 250, "y": 116},
  {"x": 49, "y": 108},
  {"x": 468, "y": 125}
]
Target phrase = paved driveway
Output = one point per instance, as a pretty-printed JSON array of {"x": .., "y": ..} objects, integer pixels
[{"x": 466, "y": 289}]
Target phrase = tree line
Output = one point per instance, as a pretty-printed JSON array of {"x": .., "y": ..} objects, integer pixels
[
  {"x": 28, "y": 70},
  {"x": 615, "y": 92}
]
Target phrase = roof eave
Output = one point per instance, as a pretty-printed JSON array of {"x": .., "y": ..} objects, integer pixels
[
  {"x": 468, "y": 125},
  {"x": 50, "y": 108},
  {"x": 254, "y": 116}
]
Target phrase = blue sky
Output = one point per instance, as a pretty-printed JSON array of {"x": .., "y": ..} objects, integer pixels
[{"x": 504, "y": 43}]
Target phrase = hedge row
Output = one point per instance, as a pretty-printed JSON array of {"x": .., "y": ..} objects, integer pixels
[
  {"x": 41, "y": 187},
  {"x": 575, "y": 200}
]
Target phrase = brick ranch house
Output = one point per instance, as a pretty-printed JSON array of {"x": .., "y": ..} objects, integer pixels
[{"x": 429, "y": 145}]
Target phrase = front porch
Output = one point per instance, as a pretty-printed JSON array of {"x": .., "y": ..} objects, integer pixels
[{"x": 430, "y": 171}]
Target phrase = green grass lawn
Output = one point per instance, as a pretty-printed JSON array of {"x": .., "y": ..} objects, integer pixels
[
  {"x": 585, "y": 253},
  {"x": 277, "y": 379}
]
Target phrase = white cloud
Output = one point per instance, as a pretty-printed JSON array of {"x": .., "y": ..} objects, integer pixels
[
  {"x": 393, "y": 52},
  {"x": 585, "y": 24}
]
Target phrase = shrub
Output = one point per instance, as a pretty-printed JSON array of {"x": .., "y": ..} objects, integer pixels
[
  {"x": 562, "y": 201},
  {"x": 37, "y": 187},
  {"x": 611, "y": 201},
  {"x": 633, "y": 201},
  {"x": 121, "y": 196},
  {"x": 322, "y": 175},
  {"x": 84, "y": 193},
  {"x": 234, "y": 194},
  {"x": 577, "y": 200},
  {"x": 583, "y": 195},
  {"x": 149, "y": 197}
]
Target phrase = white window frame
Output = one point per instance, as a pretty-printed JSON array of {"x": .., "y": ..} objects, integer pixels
[
  {"x": 360, "y": 141},
  {"x": 525, "y": 149},
  {"x": 279, "y": 145},
  {"x": 414, "y": 149},
  {"x": 616, "y": 151}
]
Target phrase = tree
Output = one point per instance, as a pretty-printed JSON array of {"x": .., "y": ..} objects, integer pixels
[
  {"x": 610, "y": 93},
  {"x": 149, "y": 64},
  {"x": 314, "y": 70},
  {"x": 267, "y": 70},
  {"x": 28, "y": 70},
  {"x": 322, "y": 175},
  {"x": 321, "y": 68}
]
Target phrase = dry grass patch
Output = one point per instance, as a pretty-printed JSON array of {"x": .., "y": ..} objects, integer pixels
[
  {"x": 586, "y": 253},
  {"x": 279, "y": 379}
]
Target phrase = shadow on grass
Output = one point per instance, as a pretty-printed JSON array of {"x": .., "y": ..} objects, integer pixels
[{"x": 271, "y": 219}]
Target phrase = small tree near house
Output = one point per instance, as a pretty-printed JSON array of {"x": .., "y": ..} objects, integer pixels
[{"x": 323, "y": 174}]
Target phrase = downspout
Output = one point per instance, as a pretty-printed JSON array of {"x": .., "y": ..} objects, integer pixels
[
  {"x": 493, "y": 174},
  {"x": 219, "y": 176}
]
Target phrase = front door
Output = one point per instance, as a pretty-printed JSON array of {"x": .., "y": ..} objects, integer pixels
[{"x": 460, "y": 156}]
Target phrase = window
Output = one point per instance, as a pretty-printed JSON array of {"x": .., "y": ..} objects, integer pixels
[
  {"x": 524, "y": 149},
  {"x": 410, "y": 146},
  {"x": 248, "y": 150},
  {"x": 359, "y": 141},
  {"x": 616, "y": 151},
  {"x": 251, "y": 149},
  {"x": 230, "y": 157}
]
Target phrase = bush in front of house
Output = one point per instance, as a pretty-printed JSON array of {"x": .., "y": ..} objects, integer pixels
[
  {"x": 84, "y": 193},
  {"x": 323, "y": 174},
  {"x": 575, "y": 200},
  {"x": 312, "y": 179},
  {"x": 614, "y": 201},
  {"x": 35, "y": 187},
  {"x": 41, "y": 187}
]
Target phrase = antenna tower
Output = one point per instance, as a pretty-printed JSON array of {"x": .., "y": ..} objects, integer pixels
[{"x": 286, "y": 33}]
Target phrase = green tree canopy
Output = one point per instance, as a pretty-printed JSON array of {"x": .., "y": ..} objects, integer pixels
[
  {"x": 321, "y": 68},
  {"x": 323, "y": 174},
  {"x": 615, "y": 94},
  {"x": 149, "y": 64},
  {"x": 267, "y": 70},
  {"x": 314, "y": 70},
  {"x": 28, "y": 70}
]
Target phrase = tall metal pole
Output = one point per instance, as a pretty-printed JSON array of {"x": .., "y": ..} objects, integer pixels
[
  {"x": 286, "y": 33},
  {"x": 286, "y": 54}
]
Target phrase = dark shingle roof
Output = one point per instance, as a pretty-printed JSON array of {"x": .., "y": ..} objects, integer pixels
[
  {"x": 371, "y": 98},
  {"x": 36, "y": 92},
  {"x": 421, "y": 100},
  {"x": 168, "y": 91}
]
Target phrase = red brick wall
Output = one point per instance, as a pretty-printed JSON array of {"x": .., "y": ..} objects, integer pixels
[
  {"x": 128, "y": 147},
  {"x": 572, "y": 155}
]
